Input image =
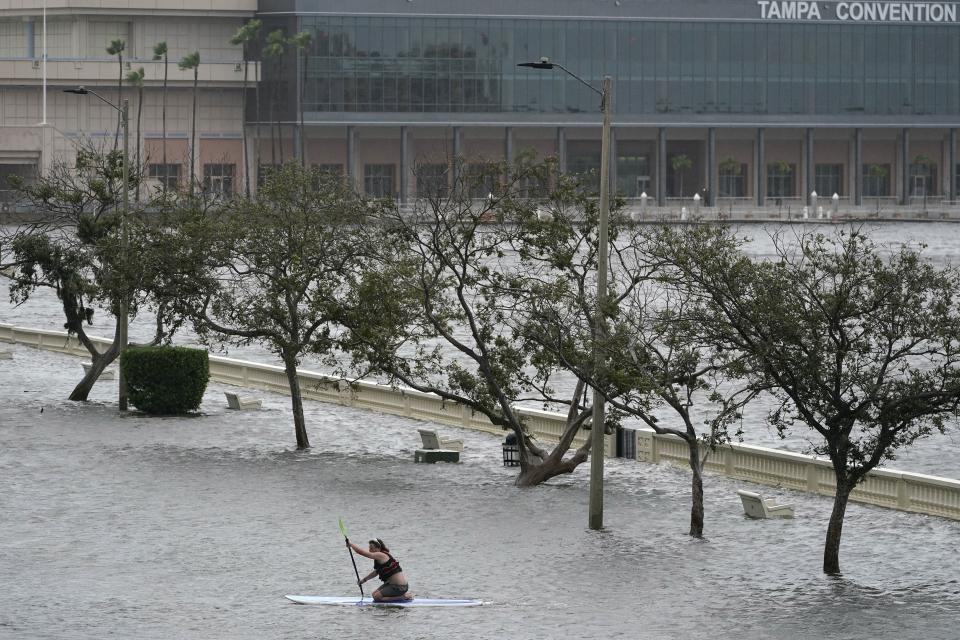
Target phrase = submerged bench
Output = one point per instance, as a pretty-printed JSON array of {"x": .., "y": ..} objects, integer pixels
[
  {"x": 437, "y": 449},
  {"x": 432, "y": 440},
  {"x": 107, "y": 374},
  {"x": 6, "y": 355},
  {"x": 755, "y": 506},
  {"x": 239, "y": 403}
]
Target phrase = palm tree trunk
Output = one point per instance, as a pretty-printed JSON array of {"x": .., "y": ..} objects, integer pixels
[
  {"x": 116, "y": 136},
  {"x": 193, "y": 131},
  {"x": 246, "y": 161},
  {"x": 163, "y": 117},
  {"x": 303, "y": 93},
  {"x": 279, "y": 121},
  {"x": 139, "y": 114}
]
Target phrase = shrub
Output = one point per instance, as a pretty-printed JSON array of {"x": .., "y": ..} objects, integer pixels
[{"x": 165, "y": 380}]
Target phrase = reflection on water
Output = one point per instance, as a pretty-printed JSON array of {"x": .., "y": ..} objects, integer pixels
[{"x": 169, "y": 528}]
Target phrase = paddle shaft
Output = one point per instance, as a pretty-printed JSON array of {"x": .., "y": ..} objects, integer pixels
[{"x": 350, "y": 549}]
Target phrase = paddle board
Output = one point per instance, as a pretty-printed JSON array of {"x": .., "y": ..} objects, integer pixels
[{"x": 366, "y": 602}]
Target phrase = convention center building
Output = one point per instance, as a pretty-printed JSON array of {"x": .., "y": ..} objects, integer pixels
[{"x": 744, "y": 103}]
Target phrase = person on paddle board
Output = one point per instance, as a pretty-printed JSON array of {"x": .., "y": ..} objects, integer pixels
[{"x": 395, "y": 585}]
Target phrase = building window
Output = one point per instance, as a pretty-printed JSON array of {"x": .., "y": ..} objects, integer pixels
[
  {"x": 168, "y": 175},
  {"x": 482, "y": 180},
  {"x": 329, "y": 169},
  {"x": 923, "y": 178},
  {"x": 432, "y": 180},
  {"x": 733, "y": 179},
  {"x": 585, "y": 167},
  {"x": 876, "y": 180},
  {"x": 378, "y": 180},
  {"x": 828, "y": 180},
  {"x": 780, "y": 180},
  {"x": 218, "y": 179},
  {"x": 28, "y": 172},
  {"x": 633, "y": 175}
]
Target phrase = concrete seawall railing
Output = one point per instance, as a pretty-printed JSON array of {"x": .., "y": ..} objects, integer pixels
[{"x": 886, "y": 488}]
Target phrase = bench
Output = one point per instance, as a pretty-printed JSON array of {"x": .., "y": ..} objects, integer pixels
[
  {"x": 106, "y": 374},
  {"x": 239, "y": 403},
  {"x": 755, "y": 506},
  {"x": 432, "y": 440}
]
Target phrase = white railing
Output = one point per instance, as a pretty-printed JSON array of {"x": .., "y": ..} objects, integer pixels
[{"x": 883, "y": 487}]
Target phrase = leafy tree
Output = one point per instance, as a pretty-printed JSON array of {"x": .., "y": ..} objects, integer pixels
[
  {"x": 75, "y": 248},
  {"x": 285, "y": 260},
  {"x": 135, "y": 78},
  {"x": 860, "y": 345},
  {"x": 160, "y": 53},
  {"x": 449, "y": 275},
  {"x": 302, "y": 42},
  {"x": 116, "y": 48},
  {"x": 192, "y": 61},
  {"x": 246, "y": 36}
]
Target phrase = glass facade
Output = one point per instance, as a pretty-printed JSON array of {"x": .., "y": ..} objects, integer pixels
[{"x": 455, "y": 65}]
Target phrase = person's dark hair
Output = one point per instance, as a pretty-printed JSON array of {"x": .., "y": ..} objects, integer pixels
[{"x": 380, "y": 545}]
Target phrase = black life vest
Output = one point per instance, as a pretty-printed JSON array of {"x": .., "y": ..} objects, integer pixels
[{"x": 389, "y": 568}]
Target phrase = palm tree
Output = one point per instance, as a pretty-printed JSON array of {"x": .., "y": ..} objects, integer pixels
[
  {"x": 160, "y": 53},
  {"x": 116, "y": 49},
  {"x": 246, "y": 36},
  {"x": 302, "y": 42},
  {"x": 135, "y": 78},
  {"x": 192, "y": 61},
  {"x": 274, "y": 49}
]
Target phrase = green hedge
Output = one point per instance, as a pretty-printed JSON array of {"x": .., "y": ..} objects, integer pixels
[{"x": 165, "y": 380}]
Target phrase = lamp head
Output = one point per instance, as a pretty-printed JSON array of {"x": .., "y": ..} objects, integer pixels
[
  {"x": 543, "y": 64},
  {"x": 80, "y": 91}
]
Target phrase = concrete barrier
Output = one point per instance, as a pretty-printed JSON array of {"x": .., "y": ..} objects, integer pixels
[{"x": 773, "y": 467}]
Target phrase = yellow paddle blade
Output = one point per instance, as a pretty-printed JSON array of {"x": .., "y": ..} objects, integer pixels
[{"x": 343, "y": 529}]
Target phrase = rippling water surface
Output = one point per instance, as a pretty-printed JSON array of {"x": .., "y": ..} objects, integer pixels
[{"x": 136, "y": 527}]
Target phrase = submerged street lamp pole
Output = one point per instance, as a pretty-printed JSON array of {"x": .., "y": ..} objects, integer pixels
[
  {"x": 597, "y": 444},
  {"x": 123, "y": 313}
]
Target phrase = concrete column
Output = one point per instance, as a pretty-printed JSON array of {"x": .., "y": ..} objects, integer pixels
[
  {"x": 760, "y": 168},
  {"x": 858, "y": 166},
  {"x": 457, "y": 160},
  {"x": 713, "y": 179},
  {"x": 404, "y": 164},
  {"x": 903, "y": 176},
  {"x": 952, "y": 162},
  {"x": 808, "y": 167},
  {"x": 352, "y": 156},
  {"x": 562, "y": 150},
  {"x": 662, "y": 167}
]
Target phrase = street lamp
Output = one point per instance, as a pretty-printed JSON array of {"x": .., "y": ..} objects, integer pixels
[
  {"x": 597, "y": 447},
  {"x": 124, "y": 112}
]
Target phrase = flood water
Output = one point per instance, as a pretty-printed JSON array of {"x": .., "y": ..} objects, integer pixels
[{"x": 195, "y": 528}]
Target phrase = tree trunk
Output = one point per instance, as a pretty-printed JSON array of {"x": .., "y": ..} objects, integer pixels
[
  {"x": 538, "y": 473},
  {"x": 296, "y": 403},
  {"x": 246, "y": 160},
  {"x": 696, "y": 494},
  {"x": 81, "y": 392},
  {"x": 163, "y": 115},
  {"x": 193, "y": 131},
  {"x": 139, "y": 114},
  {"x": 831, "y": 550}
]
